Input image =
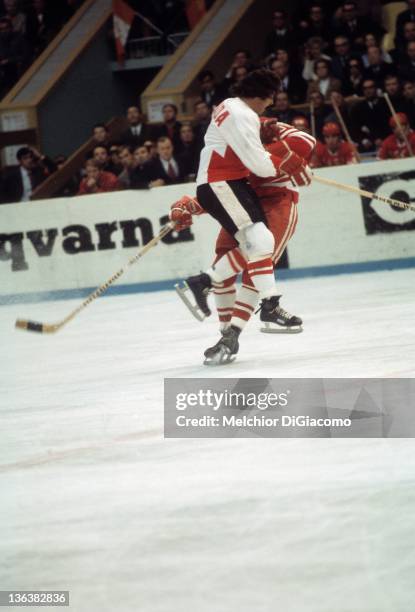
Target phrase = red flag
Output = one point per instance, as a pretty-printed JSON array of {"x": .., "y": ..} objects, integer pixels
[
  {"x": 123, "y": 16},
  {"x": 195, "y": 10}
]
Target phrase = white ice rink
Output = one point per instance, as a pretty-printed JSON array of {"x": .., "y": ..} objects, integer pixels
[{"x": 95, "y": 501}]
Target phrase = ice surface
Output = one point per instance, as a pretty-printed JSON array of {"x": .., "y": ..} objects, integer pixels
[{"x": 94, "y": 500}]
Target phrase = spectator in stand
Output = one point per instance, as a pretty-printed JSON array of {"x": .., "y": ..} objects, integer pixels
[
  {"x": 294, "y": 85},
  {"x": 406, "y": 16},
  {"x": 97, "y": 180},
  {"x": 201, "y": 115},
  {"x": 140, "y": 177},
  {"x": 334, "y": 151},
  {"x": 315, "y": 25},
  {"x": 151, "y": 147},
  {"x": 138, "y": 131},
  {"x": 20, "y": 181},
  {"x": 127, "y": 161},
  {"x": 352, "y": 84},
  {"x": 17, "y": 17},
  {"x": 395, "y": 146},
  {"x": 313, "y": 52},
  {"x": 41, "y": 27},
  {"x": 343, "y": 54},
  {"x": 370, "y": 118},
  {"x": 241, "y": 59},
  {"x": 282, "y": 35},
  {"x": 115, "y": 150},
  {"x": 325, "y": 82},
  {"x": 166, "y": 169},
  {"x": 210, "y": 92},
  {"x": 141, "y": 155},
  {"x": 282, "y": 108},
  {"x": 409, "y": 95},
  {"x": 354, "y": 26},
  {"x": 170, "y": 127},
  {"x": 407, "y": 64},
  {"x": 100, "y": 135},
  {"x": 321, "y": 110},
  {"x": 301, "y": 123},
  {"x": 189, "y": 151},
  {"x": 101, "y": 156},
  {"x": 372, "y": 41},
  {"x": 400, "y": 52},
  {"x": 235, "y": 77},
  {"x": 393, "y": 87},
  {"x": 377, "y": 69},
  {"x": 13, "y": 55}
]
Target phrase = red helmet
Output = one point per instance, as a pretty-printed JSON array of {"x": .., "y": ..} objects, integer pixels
[
  {"x": 331, "y": 129},
  {"x": 403, "y": 120},
  {"x": 300, "y": 122}
]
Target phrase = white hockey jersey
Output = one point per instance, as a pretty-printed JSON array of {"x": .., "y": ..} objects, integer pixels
[{"x": 233, "y": 147}]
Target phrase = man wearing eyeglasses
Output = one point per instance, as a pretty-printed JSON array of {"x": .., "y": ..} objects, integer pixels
[{"x": 370, "y": 118}]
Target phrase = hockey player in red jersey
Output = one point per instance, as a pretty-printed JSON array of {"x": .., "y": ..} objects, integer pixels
[
  {"x": 395, "y": 146},
  {"x": 334, "y": 151},
  {"x": 278, "y": 199},
  {"x": 232, "y": 150}
]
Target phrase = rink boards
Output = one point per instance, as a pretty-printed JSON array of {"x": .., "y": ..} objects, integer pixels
[{"x": 66, "y": 246}]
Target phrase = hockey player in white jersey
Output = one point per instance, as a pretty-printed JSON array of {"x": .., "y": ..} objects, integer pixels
[{"x": 232, "y": 150}]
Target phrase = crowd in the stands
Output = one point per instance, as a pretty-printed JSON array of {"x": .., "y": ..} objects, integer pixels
[
  {"x": 334, "y": 73},
  {"x": 26, "y": 28}
]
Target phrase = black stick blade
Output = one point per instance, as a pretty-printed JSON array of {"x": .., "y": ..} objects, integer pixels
[{"x": 29, "y": 325}]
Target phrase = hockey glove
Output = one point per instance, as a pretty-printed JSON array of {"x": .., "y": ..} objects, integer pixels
[
  {"x": 182, "y": 211},
  {"x": 269, "y": 130},
  {"x": 295, "y": 166}
]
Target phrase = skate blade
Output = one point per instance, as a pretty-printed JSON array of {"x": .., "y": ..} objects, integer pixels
[
  {"x": 194, "y": 309},
  {"x": 222, "y": 357},
  {"x": 271, "y": 328}
]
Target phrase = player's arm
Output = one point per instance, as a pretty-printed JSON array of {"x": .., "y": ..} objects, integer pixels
[
  {"x": 241, "y": 132},
  {"x": 182, "y": 211}
]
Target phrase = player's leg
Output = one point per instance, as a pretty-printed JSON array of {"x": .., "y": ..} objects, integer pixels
[
  {"x": 237, "y": 208},
  {"x": 282, "y": 215}
]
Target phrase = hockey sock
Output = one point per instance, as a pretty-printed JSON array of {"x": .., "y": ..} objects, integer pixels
[
  {"x": 225, "y": 298},
  {"x": 261, "y": 273},
  {"x": 227, "y": 266},
  {"x": 245, "y": 303}
]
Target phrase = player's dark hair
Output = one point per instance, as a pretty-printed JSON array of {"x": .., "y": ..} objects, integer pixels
[{"x": 261, "y": 83}]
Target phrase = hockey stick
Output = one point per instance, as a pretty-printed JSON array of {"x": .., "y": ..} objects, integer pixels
[
  {"x": 51, "y": 328},
  {"x": 398, "y": 123},
  {"x": 344, "y": 128},
  {"x": 365, "y": 194},
  {"x": 313, "y": 120}
]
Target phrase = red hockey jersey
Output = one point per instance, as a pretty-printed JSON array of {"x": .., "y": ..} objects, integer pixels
[
  {"x": 324, "y": 157},
  {"x": 392, "y": 148}
]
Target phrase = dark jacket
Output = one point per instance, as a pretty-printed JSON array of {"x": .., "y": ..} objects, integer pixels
[
  {"x": 12, "y": 186},
  {"x": 130, "y": 139},
  {"x": 156, "y": 171}
]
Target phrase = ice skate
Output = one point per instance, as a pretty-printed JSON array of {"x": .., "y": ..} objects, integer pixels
[
  {"x": 199, "y": 286},
  {"x": 277, "y": 320},
  {"x": 225, "y": 350}
]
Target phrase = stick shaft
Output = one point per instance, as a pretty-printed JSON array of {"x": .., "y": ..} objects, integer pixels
[
  {"x": 364, "y": 193},
  {"x": 313, "y": 120},
  {"x": 344, "y": 128},
  {"x": 54, "y": 327},
  {"x": 398, "y": 123}
]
